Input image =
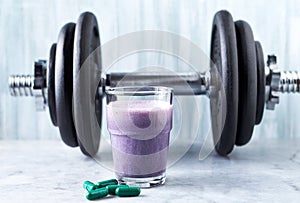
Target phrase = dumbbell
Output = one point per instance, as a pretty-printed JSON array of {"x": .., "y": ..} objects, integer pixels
[{"x": 248, "y": 85}]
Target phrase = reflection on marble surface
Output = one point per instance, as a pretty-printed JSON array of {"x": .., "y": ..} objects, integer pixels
[{"x": 48, "y": 171}]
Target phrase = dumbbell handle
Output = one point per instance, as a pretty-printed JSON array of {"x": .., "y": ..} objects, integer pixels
[
  {"x": 182, "y": 83},
  {"x": 191, "y": 83},
  {"x": 23, "y": 85}
]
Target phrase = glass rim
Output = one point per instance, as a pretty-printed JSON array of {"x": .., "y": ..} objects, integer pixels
[{"x": 138, "y": 90}]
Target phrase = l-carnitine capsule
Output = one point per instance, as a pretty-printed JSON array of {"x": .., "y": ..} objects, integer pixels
[
  {"x": 112, "y": 188},
  {"x": 128, "y": 191},
  {"x": 97, "y": 193},
  {"x": 107, "y": 182},
  {"x": 89, "y": 186}
]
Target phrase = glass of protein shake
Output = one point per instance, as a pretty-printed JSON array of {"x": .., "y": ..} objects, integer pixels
[{"x": 139, "y": 120}]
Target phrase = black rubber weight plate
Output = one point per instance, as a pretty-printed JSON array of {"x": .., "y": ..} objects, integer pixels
[
  {"x": 64, "y": 84},
  {"x": 86, "y": 76},
  {"x": 224, "y": 56},
  {"x": 247, "y": 82},
  {"x": 50, "y": 85},
  {"x": 261, "y": 83}
]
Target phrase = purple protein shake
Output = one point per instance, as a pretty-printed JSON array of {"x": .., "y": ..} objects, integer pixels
[{"x": 139, "y": 131}]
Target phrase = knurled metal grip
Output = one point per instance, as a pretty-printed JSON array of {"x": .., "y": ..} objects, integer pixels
[
  {"x": 276, "y": 82},
  {"x": 23, "y": 85},
  {"x": 198, "y": 82}
]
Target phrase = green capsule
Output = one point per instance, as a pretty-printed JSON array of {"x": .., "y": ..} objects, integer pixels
[
  {"x": 112, "y": 188},
  {"x": 128, "y": 191},
  {"x": 97, "y": 193},
  {"x": 107, "y": 182},
  {"x": 89, "y": 186}
]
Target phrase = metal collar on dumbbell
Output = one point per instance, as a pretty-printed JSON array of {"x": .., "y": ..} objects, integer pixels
[
  {"x": 31, "y": 85},
  {"x": 279, "y": 82},
  {"x": 272, "y": 83}
]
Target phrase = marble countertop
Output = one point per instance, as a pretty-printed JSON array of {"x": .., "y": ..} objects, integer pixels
[{"x": 49, "y": 171}]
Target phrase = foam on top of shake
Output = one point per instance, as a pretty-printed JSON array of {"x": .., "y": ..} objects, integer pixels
[{"x": 139, "y": 105}]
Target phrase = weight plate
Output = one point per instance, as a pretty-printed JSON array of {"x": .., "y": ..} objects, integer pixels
[
  {"x": 87, "y": 72},
  {"x": 247, "y": 82},
  {"x": 224, "y": 57},
  {"x": 64, "y": 84},
  {"x": 50, "y": 85},
  {"x": 261, "y": 83}
]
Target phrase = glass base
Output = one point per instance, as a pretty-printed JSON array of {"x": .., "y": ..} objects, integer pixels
[{"x": 143, "y": 182}]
